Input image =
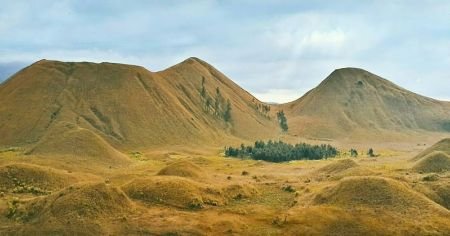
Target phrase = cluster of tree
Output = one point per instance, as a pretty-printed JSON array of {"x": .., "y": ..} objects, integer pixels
[
  {"x": 353, "y": 153},
  {"x": 262, "y": 108},
  {"x": 217, "y": 105},
  {"x": 274, "y": 151},
  {"x": 282, "y": 121}
]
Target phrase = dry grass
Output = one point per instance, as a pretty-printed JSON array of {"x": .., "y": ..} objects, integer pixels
[
  {"x": 79, "y": 209},
  {"x": 433, "y": 162},
  {"x": 183, "y": 169},
  {"x": 338, "y": 166},
  {"x": 441, "y": 146},
  {"x": 185, "y": 193},
  {"x": 27, "y": 178},
  {"x": 375, "y": 192}
]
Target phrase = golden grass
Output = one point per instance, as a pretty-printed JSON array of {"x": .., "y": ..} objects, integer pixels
[
  {"x": 375, "y": 192},
  {"x": 433, "y": 162},
  {"x": 183, "y": 169}
]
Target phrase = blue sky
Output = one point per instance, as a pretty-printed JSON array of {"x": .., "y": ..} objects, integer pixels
[{"x": 277, "y": 50}]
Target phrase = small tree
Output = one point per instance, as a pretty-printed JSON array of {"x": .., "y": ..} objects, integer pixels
[
  {"x": 208, "y": 103},
  {"x": 203, "y": 89},
  {"x": 370, "y": 153},
  {"x": 217, "y": 102},
  {"x": 353, "y": 153},
  {"x": 227, "y": 112},
  {"x": 282, "y": 121}
]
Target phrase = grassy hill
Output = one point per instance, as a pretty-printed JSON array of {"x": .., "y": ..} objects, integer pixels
[
  {"x": 129, "y": 106},
  {"x": 354, "y": 102}
]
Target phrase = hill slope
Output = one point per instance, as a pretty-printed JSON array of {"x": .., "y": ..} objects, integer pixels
[
  {"x": 441, "y": 146},
  {"x": 127, "y": 105},
  {"x": 352, "y": 100}
]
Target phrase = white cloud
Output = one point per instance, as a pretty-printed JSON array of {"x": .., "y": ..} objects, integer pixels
[
  {"x": 279, "y": 95},
  {"x": 265, "y": 48}
]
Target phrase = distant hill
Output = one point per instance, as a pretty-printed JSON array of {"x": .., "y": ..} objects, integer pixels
[
  {"x": 354, "y": 101},
  {"x": 192, "y": 103},
  {"x": 128, "y": 105}
]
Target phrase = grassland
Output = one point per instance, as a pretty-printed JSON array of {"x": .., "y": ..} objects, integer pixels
[{"x": 197, "y": 192}]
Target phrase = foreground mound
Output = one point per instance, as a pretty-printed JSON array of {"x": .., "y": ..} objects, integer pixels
[
  {"x": 69, "y": 139},
  {"x": 26, "y": 178},
  {"x": 77, "y": 209},
  {"x": 433, "y": 162},
  {"x": 374, "y": 192},
  {"x": 443, "y": 191},
  {"x": 338, "y": 166},
  {"x": 184, "y": 193},
  {"x": 442, "y": 146},
  {"x": 183, "y": 169}
]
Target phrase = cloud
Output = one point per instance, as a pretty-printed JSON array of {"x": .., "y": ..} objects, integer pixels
[
  {"x": 279, "y": 95},
  {"x": 273, "y": 50}
]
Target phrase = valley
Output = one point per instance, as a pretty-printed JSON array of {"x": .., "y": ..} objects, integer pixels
[{"x": 113, "y": 149}]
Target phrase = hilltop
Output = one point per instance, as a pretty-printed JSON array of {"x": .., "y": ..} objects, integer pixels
[
  {"x": 352, "y": 101},
  {"x": 128, "y": 106}
]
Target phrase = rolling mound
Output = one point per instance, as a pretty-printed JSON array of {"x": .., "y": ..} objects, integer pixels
[
  {"x": 375, "y": 192},
  {"x": 184, "y": 193},
  {"x": 433, "y": 162},
  {"x": 443, "y": 191},
  {"x": 68, "y": 139},
  {"x": 183, "y": 169},
  {"x": 354, "y": 171},
  {"x": 129, "y": 106},
  {"x": 442, "y": 146},
  {"x": 75, "y": 210},
  {"x": 338, "y": 166},
  {"x": 26, "y": 178},
  {"x": 354, "y": 103}
]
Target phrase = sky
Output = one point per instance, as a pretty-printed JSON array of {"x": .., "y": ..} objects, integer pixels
[{"x": 277, "y": 50}]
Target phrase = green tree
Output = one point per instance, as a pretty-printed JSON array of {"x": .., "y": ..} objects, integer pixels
[
  {"x": 217, "y": 102},
  {"x": 282, "y": 121},
  {"x": 370, "y": 153},
  {"x": 227, "y": 112},
  {"x": 203, "y": 89},
  {"x": 208, "y": 103}
]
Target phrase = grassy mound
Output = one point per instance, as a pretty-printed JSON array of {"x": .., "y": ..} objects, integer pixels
[
  {"x": 184, "y": 193},
  {"x": 69, "y": 139},
  {"x": 433, "y": 162},
  {"x": 26, "y": 178},
  {"x": 442, "y": 146},
  {"x": 239, "y": 191},
  {"x": 443, "y": 191},
  {"x": 354, "y": 171},
  {"x": 77, "y": 209},
  {"x": 374, "y": 192},
  {"x": 183, "y": 169},
  {"x": 338, "y": 166}
]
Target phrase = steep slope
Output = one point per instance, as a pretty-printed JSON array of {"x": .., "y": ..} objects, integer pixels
[
  {"x": 127, "y": 105},
  {"x": 352, "y": 100}
]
